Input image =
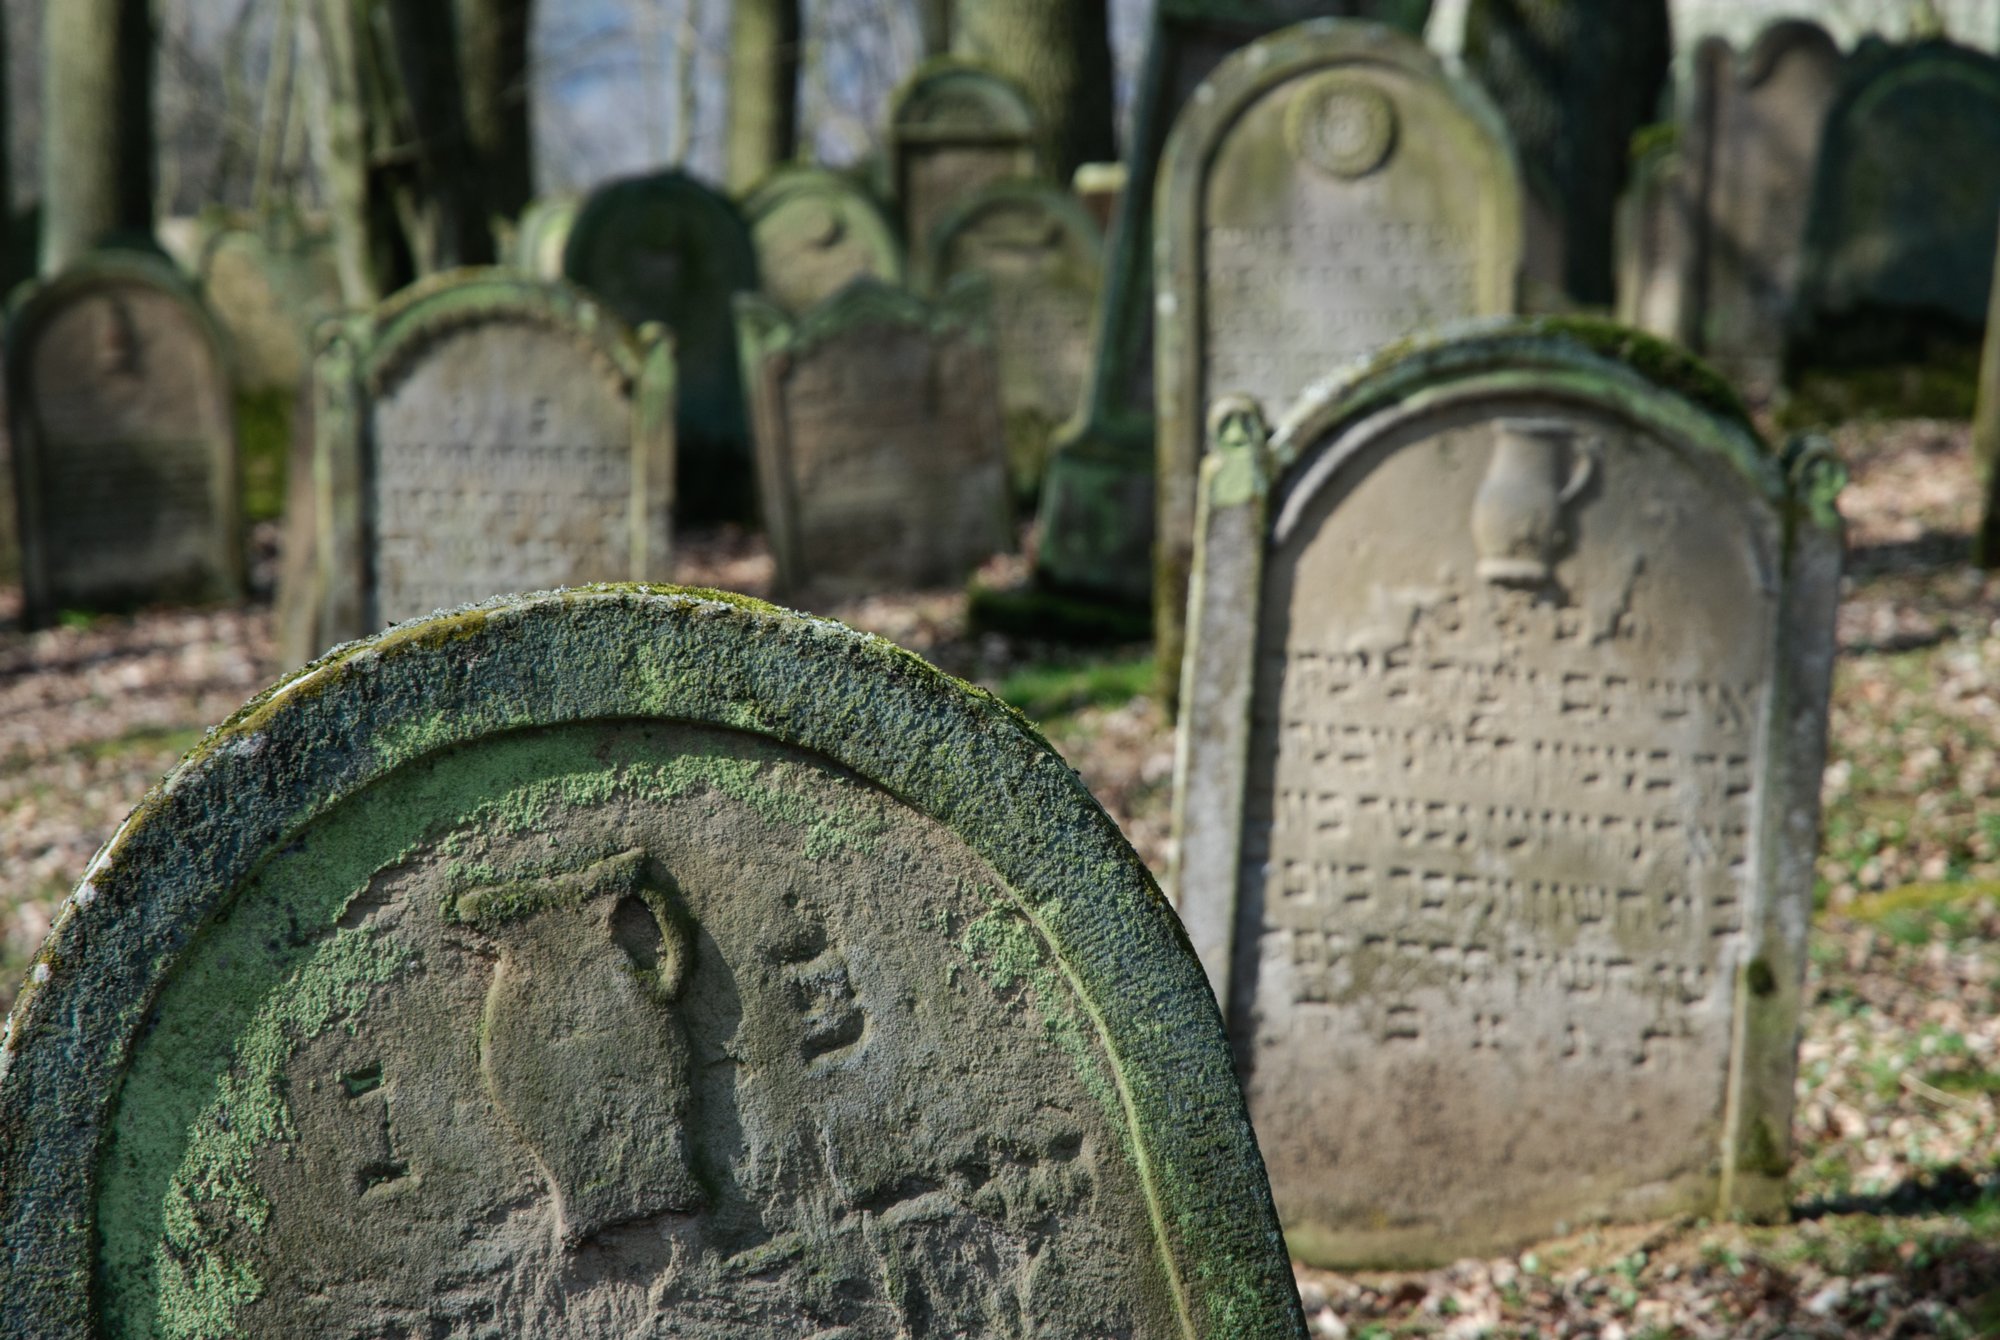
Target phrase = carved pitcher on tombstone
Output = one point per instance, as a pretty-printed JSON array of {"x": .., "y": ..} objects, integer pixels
[{"x": 1517, "y": 517}]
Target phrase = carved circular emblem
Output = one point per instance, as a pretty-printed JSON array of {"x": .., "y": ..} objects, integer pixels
[{"x": 1343, "y": 127}]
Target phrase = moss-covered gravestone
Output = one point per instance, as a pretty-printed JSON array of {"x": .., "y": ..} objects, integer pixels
[
  {"x": 123, "y": 440},
  {"x": 625, "y": 962},
  {"x": 266, "y": 293},
  {"x": 1097, "y": 501},
  {"x": 543, "y": 235},
  {"x": 668, "y": 248},
  {"x": 955, "y": 127},
  {"x": 815, "y": 232},
  {"x": 481, "y": 433},
  {"x": 1905, "y": 205},
  {"x": 1329, "y": 190},
  {"x": 1496, "y": 806},
  {"x": 1043, "y": 254},
  {"x": 881, "y": 461}
]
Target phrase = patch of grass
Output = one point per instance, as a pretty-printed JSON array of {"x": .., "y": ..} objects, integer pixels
[
  {"x": 1052, "y": 690},
  {"x": 1974, "y": 1081},
  {"x": 1911, "y": 915}
]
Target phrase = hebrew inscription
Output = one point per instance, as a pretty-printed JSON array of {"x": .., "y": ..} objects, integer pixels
[{"x": 1498, "y": 836}]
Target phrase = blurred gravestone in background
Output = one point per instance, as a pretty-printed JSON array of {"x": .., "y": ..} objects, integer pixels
[
  {"x": 1972, "y": 22},
  {"x": 816, "y": 231},
  {"x": 124, "y": 444},
  {"x": 627, "y": 962},
  {"x": 1097, "y": 501},
  {"x": 1722, "y": 276},
  {"x": 1574, "y": 79},
  {"x": 1899, "y": 242},
  {"x": 543, "y": 234},
  {"x": 267, "y": 293},
  {"x": 1328, "y": 191},
  {"x": 955, "y": 128},
  {"x": 667, "y": 248},
  {"x": 481, "y": 433},
  {"x": 881, "y": 458},
  {"x": 1044, "y": 258},
  {"x": 1986, "y": 434},
  {"x": 1497, "y": 794}
]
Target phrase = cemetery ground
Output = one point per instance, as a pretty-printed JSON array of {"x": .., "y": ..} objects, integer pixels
[{"x": 1896, "y": 1228}]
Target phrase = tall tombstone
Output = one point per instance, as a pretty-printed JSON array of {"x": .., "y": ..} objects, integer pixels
[
  {"x": 881, "y": 458},
  {"x": 543, "y": 235},
  {"x": 1043, "y": 254},
  {"x": 1329, "y": 191},
  {"x": 955, "y": 127},
  {"x": 1097, "y": 506},
  {"x": 815, "y": 231},
  {"x": 1753, "y": 140},
  {"x": 668, "y": 248},
  {"x": 1498, "y": 786},
  {"x": 622, "y": 962},
  {"x": 123, "y": 441},
  {"x": 1656, "y": 226},
  {"x": 480, "y": 433},
  {"x": 1899, "y": 241}
]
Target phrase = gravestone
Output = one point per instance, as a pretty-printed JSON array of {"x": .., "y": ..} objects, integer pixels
[
  {"x": 1899, "y": 240},
  {"x": 954, "y": 128},
  {"x": 267, "y": 295},
  {"x": 480, "y": 433},
  {"x": 543, "y": 234},
  {"x": 815, "y": 231},
  {"x": 626, "y": 962},
  {"x": 1097, "y": 507},
  {"x": 881, "y": 459},
  {"x": 1042, "y": 253},
  {"x": 1754, "y": 131},
  {"x": 667, "y": 248},
  {"x": 123, "y": 442},
  {"x": 1972, "y": 22},
  {"x": 1330, "y": 190},
  {"x": 1497, "y": 794},
  {"x": 1655, "y": 240}
]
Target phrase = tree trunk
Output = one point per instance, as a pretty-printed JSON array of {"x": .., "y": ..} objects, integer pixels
[
  {"x": 493, "y": 61},
  {"x": 97, "y": 127},
  {"x": 443, "y": 197},
  {"x": 1575, "y": 79},
  {"x": 934, "y": 27},
  {"x": 1059, "y": 51},
  {"x": 763, "y": 89}
]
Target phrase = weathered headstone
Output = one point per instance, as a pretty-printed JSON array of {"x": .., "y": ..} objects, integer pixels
[
  {"x": 667, "y": 248},
  {"x": 881, "y": 459},
  {"x": 954, "y": 128},
  {"x": 1097, "y": 502},
  {"x": 1330, "y": 190},
  {"x": 815, "y": 232},
  {"x": 1657, "y": 221},
  {"x": 1044, "y": 257},
  {"x": 1972, "y": 22},
  {"x": 1753, "y": 139},
  {"x": 626, "y": 962},
  {"x": 1905, "y": 204},
  {"x": 481, "y": 433},
  {"x": 267, "y": 295},
  {"x": 1497, "y": 797},
  {"x": 543, "y": 235},
  {"x": 123, "y": 440}
]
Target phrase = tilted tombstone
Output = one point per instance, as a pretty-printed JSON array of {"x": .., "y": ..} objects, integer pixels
[
  {"x": 543, "y": 234},
  {"x": 626, "y": 962},
  {"x": 881, "y": 459},
  {"x": 123, "y": 441},
  {"x": 1096, "y": 512},
  {"x": 1043, "y": 254},
  {"x": 1498, "y": 785},
  {"x": 267, "y": 294},
  {"x": 1905, "y": 205},
  {"x": 1753, "y": 137},
  {"x": 954, "y": 128},
  {"x": 668, "y": 248},
  {"x": 815, "y": 231},
  {"x": 1329, "y": 190},
  {"x": 481, "y": 433}
]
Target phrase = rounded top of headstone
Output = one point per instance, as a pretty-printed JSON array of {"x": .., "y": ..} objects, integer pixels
[
  {"x": 523, "y": 719},
  {"x": 1026, "y": 214},
  {"x": 668, "y": 231},
  {"x": 951, "y": 98},
  {"x": 1784, "y": 38},
  {"x": 31, "y": 302}
]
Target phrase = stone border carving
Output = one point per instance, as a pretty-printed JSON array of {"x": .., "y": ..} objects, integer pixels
[
  {"x": 28, "y": 309},
  {"x": 623, "y": 652},
  {"x": 361, "y": 357},
  {"x": 1238, "y": 83},
  {"x": 1253, "y": 478}
]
